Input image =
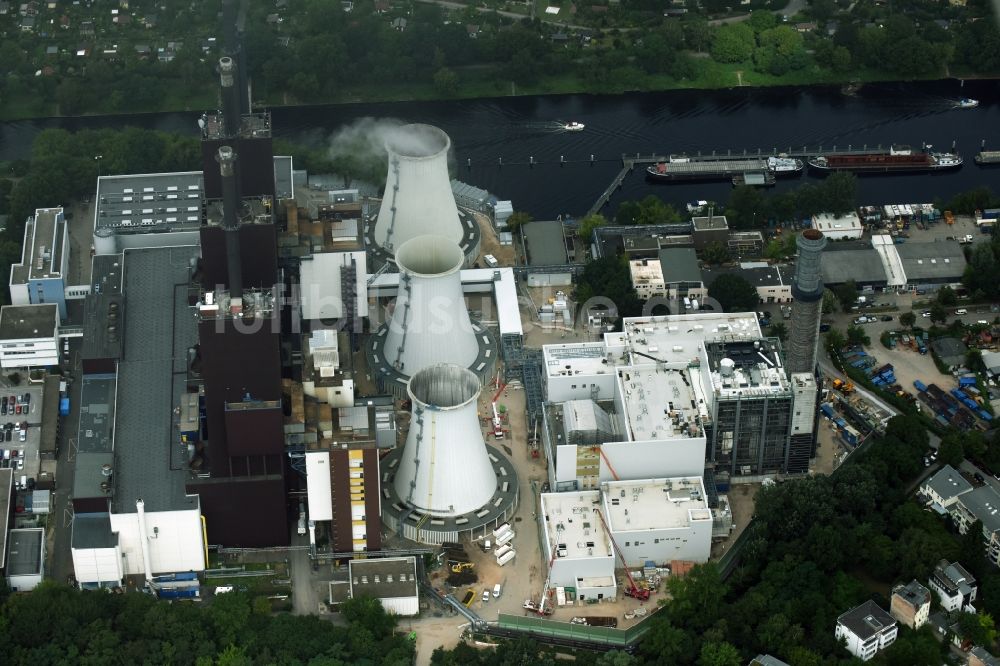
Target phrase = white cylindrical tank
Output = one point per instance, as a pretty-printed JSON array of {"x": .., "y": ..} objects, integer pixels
[
  {"x": 418, "y": 197},
  {"x": 445, "y": 469},
  {"x": 430, "y": 323},
  {"x": 104, "y": 241}
]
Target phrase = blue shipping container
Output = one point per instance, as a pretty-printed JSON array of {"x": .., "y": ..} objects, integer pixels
[
  {"x": 827, "y": 409},
  {"x": 179, "y": 593},
  {"x": 63, "y": 406},
  {"x": 985, "y": 415},
  {"x": 919, "y": 385},
  {"x": 968, "y": 380}
]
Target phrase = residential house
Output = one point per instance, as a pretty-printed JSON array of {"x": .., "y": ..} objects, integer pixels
[
  {"x": 806, "y": 27},
  {"x": 866, "y": 629},
  {"x": 941, "y": 491},
  {"x": 86, "y": 28},
  {"x": 27, "y": 24},
  {"x": 955, "y": 586},
  {"x": 143, "y": 51},
  {"x": 272, "y": 19},
  {"x": 766, "y": 660},
  {"x": 911, "y": 604},
  {"x": 978, "y": 656},
  {"x": 399, "y": 24},
  {"x": 64, "y": 22},
  {"x": 150, "y": 21},
  {"x": 982, "y": 504},
  {"x": 4, "y": 8}
]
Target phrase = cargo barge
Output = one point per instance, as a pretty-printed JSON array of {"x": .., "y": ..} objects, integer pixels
[
  {"x": 680, "y": 167},
  {"x": 897, "y": 159}
]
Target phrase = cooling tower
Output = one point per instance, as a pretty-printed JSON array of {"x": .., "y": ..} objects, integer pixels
[
  {"x": 418, "y": 198},
  {"x": 430, "y": 323},
  {"x": 807, "y": 304},
  {"x": 445, "y": 468}
]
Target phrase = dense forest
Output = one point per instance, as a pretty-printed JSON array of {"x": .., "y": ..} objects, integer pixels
[
  {"x": 56, "y": 624},
  {"x": 818, "y": 547}
]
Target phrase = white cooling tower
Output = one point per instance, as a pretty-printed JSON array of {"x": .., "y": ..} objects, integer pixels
[
  {"x": 430, "y": 323},
  {"x": 445, "y": 469},
  {"x": 418, "y": 198}
]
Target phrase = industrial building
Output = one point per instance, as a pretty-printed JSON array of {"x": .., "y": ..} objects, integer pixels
[
  {"x": 133, "y": 515},
  {"x": 391, "y": 580},
  {"x": 30, "y": 335},
  {"x": 659, "y": 520},
  {"x": 671, "y": 395},
  {"x": 674, "y": 275},
  {"x": 838, "y": 227},
  {"x": 773, "y": 282},
  {"x": 887, "y": 265},
  {"x": 446, "y": 481},
  {"x": 25, "y": 563},
  {"x": 41, "y": 275},
  {"x": 418, "y": 197}
]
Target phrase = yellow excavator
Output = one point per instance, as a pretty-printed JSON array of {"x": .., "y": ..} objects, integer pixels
[{"x": 459, "y": 567}]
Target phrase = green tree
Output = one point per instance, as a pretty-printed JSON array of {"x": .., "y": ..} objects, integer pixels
[
  {"x": 829, "y": 302},
  {"x": 847, "y": 294},
  {"x": 715, "y": 253},
  {"x": 446, "y": 81},
  {"x": 587, "y": 225},
  {"x": 517, "y": 220},
  {"x": 946, "y": 296},
  {"x": 907, "y": 319},
  {"x": 734, "y": 42},
  {"x": 840, "y": 193},
  {"x": 719, "y": 654},
  {"x": 938, "y": 313},
  {"x": 857, "y": 336},
  {"x": 951, "y": 451},
  {"x": 835, "y": 339},
  {"x": 734, "y": 293},
  {"x": 977, "y": 628},
  {"x": 779, "y": 330}
]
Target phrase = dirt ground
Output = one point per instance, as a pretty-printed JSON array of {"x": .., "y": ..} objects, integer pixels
[
  {"x": 829, "y": 451},
  {"x": 490, "y": 244},
  {"x": 741, "y": 501},
  {"x": 910, "y": 365}
]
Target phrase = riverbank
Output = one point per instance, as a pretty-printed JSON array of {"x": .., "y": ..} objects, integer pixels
[{"x": 478, "y": 83}]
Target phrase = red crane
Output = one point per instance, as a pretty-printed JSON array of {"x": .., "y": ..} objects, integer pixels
[
  {"x": 607, "y": 462},
  {"x": 632, "y": 590}
]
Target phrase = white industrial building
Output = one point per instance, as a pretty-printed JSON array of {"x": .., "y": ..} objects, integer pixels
[
  {"x": 391, "y": 580},
  {"x": 324, "y": 292},
  {"x": 662, "y": 520},
  {"x": 838, "y": 227},
  {"x": 668, "y": 393},
  {"x": 29, "y": 336}
]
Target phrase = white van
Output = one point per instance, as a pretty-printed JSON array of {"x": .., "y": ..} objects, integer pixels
[
  {"x": 491, "y": 261},
  {"x": 496, "y": 591}
]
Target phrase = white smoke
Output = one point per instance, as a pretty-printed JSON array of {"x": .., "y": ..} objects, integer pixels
[{"x": 363, "y": 139}]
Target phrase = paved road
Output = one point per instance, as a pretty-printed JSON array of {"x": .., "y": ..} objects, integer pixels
[
  {"x": 60, "y": 558},
  {"x": 306, "y": 585},
  {"x": 511, "y": 15}
]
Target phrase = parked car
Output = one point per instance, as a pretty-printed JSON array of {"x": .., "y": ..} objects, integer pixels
[
  {"x": 925, "y": 313},
  {"x": 886, "y": 317},
  {"x": 486, "y": 596},
  {"x": 26, "y": 399},
  {"x": 3, "y": 405},
  {"x": 979, "y": 478},
  {"x": 961, "y": 311}
]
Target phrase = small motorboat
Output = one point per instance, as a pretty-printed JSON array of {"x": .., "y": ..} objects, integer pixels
[
  {"x": 573, "y": 126},
  {"x": 967, "y": 103}
]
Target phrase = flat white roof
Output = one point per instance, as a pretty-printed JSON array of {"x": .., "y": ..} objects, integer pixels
[
  {"x": 318, "y": 485},
  {"x": 831, "y": 222},
  {"x": 655, "y": 503},
  {"x": 895, "y": 274},
  {"x": 645, "y": 271},
  {"x": 504, "y": 293},
  {"x": 571, "y": 524},
  {"x": 680, "y": 337},
  {"x": 660, "y": 403},
  {"x": 577, "y": 358}
]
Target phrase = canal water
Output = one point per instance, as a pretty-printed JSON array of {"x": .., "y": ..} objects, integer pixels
[{"x": 520, "y": 130}]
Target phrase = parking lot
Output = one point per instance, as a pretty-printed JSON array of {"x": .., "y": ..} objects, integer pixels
[{"x": 20, "y": 418}]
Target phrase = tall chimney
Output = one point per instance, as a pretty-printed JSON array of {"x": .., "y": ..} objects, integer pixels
[
  {"x": 231, "y": 225},
  {"x": 230, "y": 96},
  {"x": 807, "y": 303},
  {"x": 233, "y": 47}
]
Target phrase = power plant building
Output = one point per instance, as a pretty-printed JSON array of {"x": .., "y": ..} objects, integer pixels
[
  {"x": 678, "y": 393},
  {"x": 654, "y": 519}
]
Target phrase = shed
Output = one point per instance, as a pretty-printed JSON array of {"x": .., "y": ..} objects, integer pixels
[
  {"x": 25, "y": 558},
  {"x": 391, "y": 580}
]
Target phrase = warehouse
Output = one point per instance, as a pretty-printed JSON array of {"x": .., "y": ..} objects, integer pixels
[
  {"x": 25, "y": 564},
  {"x": 391, "y": 580}
]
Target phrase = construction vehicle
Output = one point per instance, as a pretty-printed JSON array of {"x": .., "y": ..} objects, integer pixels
[
  {"x": 459, "y": 567},
  {"x": 842, "y": 386},
  {"x": 632, "y": 590}
]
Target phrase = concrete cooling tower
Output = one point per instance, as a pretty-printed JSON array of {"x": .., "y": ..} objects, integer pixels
[
  {"x": 418, "y": 199},
  {"x": 447, "y": 480},
  {"x": 430, "y": 321},
  {"x": 445, "y": 469}
]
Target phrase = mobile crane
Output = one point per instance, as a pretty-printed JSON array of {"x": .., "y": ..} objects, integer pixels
[{"x": 632, "y": 590}]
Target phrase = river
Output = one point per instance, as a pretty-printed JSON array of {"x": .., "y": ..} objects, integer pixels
[{"x": 517, "y": 129}]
